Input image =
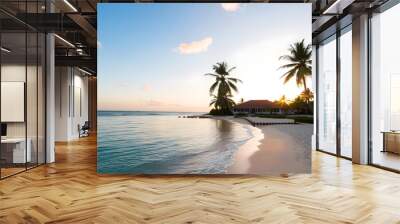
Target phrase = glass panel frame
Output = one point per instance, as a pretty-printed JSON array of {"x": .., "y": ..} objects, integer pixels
[
  {"x": 26, "y": 63},
  {"x": 340, "y": 65},
  {"x": 345, "y": 93},
  {"x": 13, "y": 83},
  {"x": 384, "y": 83},
  {"x": 327, "y": 95}
]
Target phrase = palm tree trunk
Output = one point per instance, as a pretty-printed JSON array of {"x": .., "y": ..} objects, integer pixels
[{"x": 307, "y": 100}]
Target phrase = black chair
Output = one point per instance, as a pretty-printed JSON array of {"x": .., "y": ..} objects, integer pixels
[{"x": 84, "y": 130}]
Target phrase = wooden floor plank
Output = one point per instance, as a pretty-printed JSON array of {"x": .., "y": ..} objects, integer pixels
[{"x": 70, "y": 191}]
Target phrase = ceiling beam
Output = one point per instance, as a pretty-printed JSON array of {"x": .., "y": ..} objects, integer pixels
[
  {"x": 86, "y": 26},
  {"x": 77, "y": 61}
]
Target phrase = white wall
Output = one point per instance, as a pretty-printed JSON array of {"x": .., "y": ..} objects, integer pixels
[
  {"x": 62, "y": 82},
  {"x": 12, "y": 73},
  {"x": 9, "y": 73},
  {"x": 33, "y": 127},
  {"x": 79, "y": 109},
  {"x": 70, "y": 84}
]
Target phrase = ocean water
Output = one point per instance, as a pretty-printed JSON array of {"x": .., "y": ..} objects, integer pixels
[{"x": 162, "y": 143}]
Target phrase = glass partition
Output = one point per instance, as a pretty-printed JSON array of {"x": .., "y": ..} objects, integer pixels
[
  {"x": 22, "y": 100},
  {"x": 385, "y": 89},
  {"x": 346, "y": 93},
  {"x": 327, "y": 95},
  {"x": 31, "y": 97},
  {"x": 14, "y": 155}
]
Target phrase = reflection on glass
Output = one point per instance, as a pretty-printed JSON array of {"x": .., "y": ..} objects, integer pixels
[
  {"x": 346, "y": 94},
  {"x": 22, "y": 92},
  {"x": 14, "y": 153},
  {"x": 385, "y": 114},
  {"x": 31, "y": 100},
  {"x": 327, "y": 96}
]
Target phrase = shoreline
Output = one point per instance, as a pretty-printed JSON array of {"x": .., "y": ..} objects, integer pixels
[{"x": 274, "y": 150}]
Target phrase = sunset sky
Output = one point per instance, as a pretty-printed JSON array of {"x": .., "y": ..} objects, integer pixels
[{"x": 153, "y": 57}]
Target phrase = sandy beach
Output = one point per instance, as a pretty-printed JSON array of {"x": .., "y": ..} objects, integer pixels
[{"x": 275, "y": 150}]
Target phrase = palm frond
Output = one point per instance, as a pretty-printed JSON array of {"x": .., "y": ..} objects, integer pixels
[
  {"x": 213, "y": 86},
  {"x": 235, "y": 80},
  {"x": 288, "y": 65},
  {"x": 231, "y": 69},
  {"x": 299, "y": 65},
  {"x": 211, "y": 74},
  {"x": 232, "y": 86},
  {"x": 288, "y": 58},
  {"x": 288, "y": 75},
  {"x": 299, "y": 77}
]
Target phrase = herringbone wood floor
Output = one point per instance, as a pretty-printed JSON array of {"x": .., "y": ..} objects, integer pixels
[{"x": 70, "y": 191}]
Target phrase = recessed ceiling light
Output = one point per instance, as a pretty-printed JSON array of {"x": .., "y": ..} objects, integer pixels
[
  {"x": 338, "y": 6},
  {"x": 84, "y": 71},
  {"x": 5, "y": 50},
  {"x": 70, "y": 5},
  {"x": 64, "y": 40}
]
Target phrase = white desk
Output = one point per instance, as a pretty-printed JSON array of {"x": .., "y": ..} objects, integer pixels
[
  {"x": 19, "y": 153},
  {"x": 391, "y": 141}
]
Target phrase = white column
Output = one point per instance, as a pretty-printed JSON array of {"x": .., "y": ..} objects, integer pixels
[
  {"x": 360, "y": 90},
  {"x": 50, "y": 99}
]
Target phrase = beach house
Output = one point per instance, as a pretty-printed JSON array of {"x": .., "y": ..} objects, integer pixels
[{"x": 259, "y": 107}]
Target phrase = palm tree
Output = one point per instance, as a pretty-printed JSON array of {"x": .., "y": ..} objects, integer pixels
[
  {"x": 307, "y": 95},
  {"x": 222, "y": 103},
  {"x": 224, "y": 83},
  {"x": 299, "y": 63},
  {"x": 283, "y": 102},
  {"x": 225, "y": 86}
]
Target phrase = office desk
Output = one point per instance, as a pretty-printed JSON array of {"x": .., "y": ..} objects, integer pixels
[
  {"x": 15, "y": 148},
  {"x": 391, "y": 141}
]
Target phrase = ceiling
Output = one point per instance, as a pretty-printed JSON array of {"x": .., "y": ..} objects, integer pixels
[
  {"x": 331, "y": 15},
  {"x": 75, "y": 22}
]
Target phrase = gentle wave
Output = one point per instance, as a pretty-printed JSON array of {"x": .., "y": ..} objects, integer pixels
[{"x": 165, "y": 144}]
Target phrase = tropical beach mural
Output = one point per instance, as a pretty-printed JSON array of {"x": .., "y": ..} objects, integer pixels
[{"x": 216, "y": 89}]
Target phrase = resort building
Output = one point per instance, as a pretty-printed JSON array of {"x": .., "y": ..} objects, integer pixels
[
  {"x": 258, "y": 107},
  {"x": 48, "y": 97}
]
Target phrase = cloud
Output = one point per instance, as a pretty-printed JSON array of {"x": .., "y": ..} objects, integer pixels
[
  {"x": 230, "y": 7},
  {"x": 195, "y": 46},
  {"x": 99, "y": 44}
]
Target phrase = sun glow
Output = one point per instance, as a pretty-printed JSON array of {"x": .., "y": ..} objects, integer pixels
[{"x": 257, "y": 65}]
